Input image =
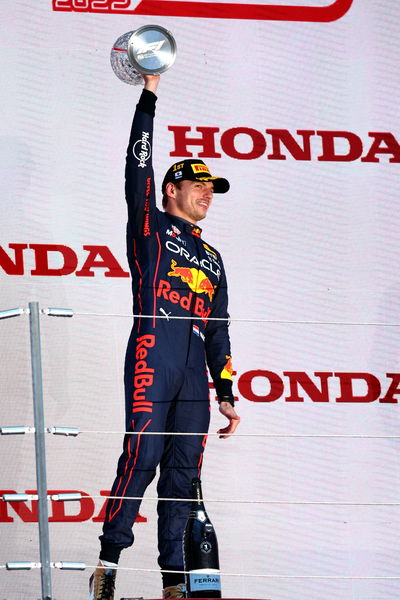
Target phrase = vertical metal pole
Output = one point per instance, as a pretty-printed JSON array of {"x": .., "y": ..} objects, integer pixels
[{"x": 40, "y": 450}]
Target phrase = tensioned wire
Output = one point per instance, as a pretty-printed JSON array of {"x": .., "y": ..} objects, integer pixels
[
  {"x": 51, "y": 430},
  {"x": 260, "y": 502},
  {"x": 351, "y": 436},
  {"x": 77, "y": 496},
  {"x": 260, "y": 435},
  {"x": 239, "y": 320},
  {"x": 244, "y": 320},
  {"x": 256, "y": 435},
  {"x": 232, "y": 501},
  {"x": 254, "y": 502},
  {"x": 229, "y": 574}
]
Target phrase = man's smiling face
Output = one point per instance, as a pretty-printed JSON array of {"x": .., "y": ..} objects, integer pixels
[{"x": 190, "y": 200}]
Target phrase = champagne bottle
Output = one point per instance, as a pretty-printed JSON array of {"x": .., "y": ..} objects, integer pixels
[{"x": 200, "y": 550}]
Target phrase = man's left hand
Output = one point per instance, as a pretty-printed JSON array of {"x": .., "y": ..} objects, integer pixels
[{"x": 226, "y": 409}]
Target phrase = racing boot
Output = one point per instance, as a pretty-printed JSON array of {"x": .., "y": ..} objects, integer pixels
[
  {"x": 175, "y": 591},
  {"x": 102, "y": 583}
]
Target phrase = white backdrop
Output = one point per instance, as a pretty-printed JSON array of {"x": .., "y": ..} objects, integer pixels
[{"x": 310, "y": 243}]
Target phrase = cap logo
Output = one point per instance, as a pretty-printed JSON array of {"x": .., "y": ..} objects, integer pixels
[
  {"x": 199, "y": 168},
  {"x": 178, "y": 174}
]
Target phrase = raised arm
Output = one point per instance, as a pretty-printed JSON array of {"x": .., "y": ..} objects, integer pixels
[
  {"x": 139, "y": 178},
  {"x": 151, "y": 82}
]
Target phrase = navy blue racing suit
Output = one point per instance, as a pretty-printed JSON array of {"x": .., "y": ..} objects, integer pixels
[{"x": 174, "y": 274}]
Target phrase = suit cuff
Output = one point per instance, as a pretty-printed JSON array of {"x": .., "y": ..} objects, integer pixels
[{"x": 147, "y": 102}]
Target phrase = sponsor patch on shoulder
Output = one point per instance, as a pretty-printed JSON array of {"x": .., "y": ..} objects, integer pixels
[{"x": 206, "y": 247}]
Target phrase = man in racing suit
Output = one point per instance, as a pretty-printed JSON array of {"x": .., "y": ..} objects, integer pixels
[{"x": 174, "y": 274}]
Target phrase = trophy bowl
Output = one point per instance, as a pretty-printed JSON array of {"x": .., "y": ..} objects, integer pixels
[{"x": 149, "y": 50}]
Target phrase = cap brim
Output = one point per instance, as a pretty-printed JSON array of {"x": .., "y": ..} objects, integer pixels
[{"x": 221, "y": 185}]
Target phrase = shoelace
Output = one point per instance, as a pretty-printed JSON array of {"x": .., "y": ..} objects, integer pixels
[
  {"x": 107, "y": 584},
  {"x": 171, "y": 593}
]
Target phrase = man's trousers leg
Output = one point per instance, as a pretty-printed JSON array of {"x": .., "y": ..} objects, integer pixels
[
  {"x": 180, "y": 463},
  {"x": 146, "y": 411}
]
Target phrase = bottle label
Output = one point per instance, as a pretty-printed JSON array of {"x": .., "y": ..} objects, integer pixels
[{"x": 203, "y": 582}]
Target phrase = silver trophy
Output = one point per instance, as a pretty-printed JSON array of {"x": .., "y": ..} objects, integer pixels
[{"x": 149, "y": 50}]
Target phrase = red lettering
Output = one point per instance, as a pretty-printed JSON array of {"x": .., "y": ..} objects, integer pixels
[
  {"x": 11, "y": 267},
  {"x": 351, "y": 147},
  {"x": 44, "y": 254},
  {"x": 139, "y": 394},
  {"x": 211, "y": 10},
  {"x": 186, "y": 301},
  {"x": 102, "y": 514},
  {"x": 207, "y": 141},
  {"x": 163, "y": 289},
  {"x": 390, "y": 146},
  {"x": 297, "y": 378},
  {"x": 141, "y": 367},
  {"x": 108, "y": 261},
  {"x": 199, "y": 309},
  {"x": 21, "y": 508},
  {"x": 394, "y": 389},
  {"x": 174, "y": 297},
  {"x": 146, "y": 226},
  {"x": 4, "y": 516},
  {"x": 145, "y": 341},
  {"x": 328, "y": 146},
  {"x": 143, "y": 373},
  {"x": 58, "y": 512},
  {"x": 274, "y": 381},
  {"x": 146, "y": 222},
  {"x": 70, "y": 260},
  {"x": 141, "y": 353},
  {"x": 298, "y": 152},
  {"x": 257, "y": 139},
  {"x": 143, "y": 380},
  {"x": 26, "y": 514},
  {"x": 86, "y": 507},
  {"x": 346, "y": 387}
]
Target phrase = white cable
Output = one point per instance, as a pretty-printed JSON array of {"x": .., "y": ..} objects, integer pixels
[
  {"x": 350, "y": 436},
  {"x": 355, "y": 436},
  {"x": 240, "y": 320},
  {"x": 262, "y": 575},
  {"x": 261, "y": 435},
  {"x": 247, "y": 575},
  {"x": 270, "y": 502}
]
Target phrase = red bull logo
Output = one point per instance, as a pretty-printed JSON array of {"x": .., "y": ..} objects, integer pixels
[
  {"x": 196, "y": 279},
  {"x": 227, "y": 371}
]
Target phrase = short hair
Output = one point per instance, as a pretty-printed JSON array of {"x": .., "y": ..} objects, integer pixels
[{"x": 165, "y": 197}]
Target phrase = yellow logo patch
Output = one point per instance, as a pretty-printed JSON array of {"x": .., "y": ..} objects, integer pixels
[
  {"x": 199, "y": 168},
  {"x": 209, "y": 249},
  {"x": 227, "y": 371}
]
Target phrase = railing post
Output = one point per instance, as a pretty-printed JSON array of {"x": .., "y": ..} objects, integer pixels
[{"x": 40, "y": 449}]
